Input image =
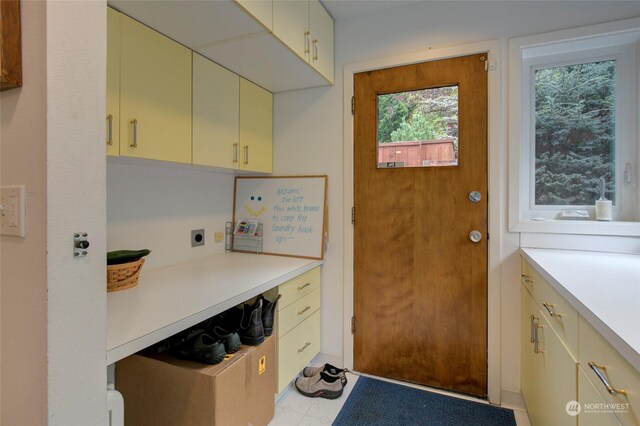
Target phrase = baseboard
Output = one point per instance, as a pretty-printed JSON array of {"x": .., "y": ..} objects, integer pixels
[
  {"x": 323, "y": 358},
  {"x": 513, "y": 400}
]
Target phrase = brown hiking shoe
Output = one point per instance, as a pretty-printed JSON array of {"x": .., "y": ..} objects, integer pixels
[
  {"x": 320, "y": 385},
  {"x": 331, "y": 370}
]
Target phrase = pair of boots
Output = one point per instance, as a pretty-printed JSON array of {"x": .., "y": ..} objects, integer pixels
[
  {"x": 210, "y": 343},
  {"x": 326, "y": 381},
  {"x": 256, "y": 320}
]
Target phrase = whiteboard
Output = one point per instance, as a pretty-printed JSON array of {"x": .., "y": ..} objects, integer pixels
[{"x": 292, "y": 210}]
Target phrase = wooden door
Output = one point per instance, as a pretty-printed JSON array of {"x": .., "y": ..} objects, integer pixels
[
  {"x": 420, "y": 283},
  {"x": 155, "y": 90},
  {"x": 256, "y": 128},
  {"x": 216, "y": 114}
]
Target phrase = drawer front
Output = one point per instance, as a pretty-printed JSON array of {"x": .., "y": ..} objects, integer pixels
[
  {"x": 560, "y": 314},
  {"x": 298, "y": 287},
  {"x": 298, "y": 311},
  {"x": 591, "y": 413},
  {"x": 615, "y": 369},
  {"x": 297, "y": 348}
]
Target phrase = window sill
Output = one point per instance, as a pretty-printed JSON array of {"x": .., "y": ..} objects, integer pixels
[{"x": 580, "y": 227}]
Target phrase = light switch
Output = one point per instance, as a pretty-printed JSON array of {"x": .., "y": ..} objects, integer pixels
[{"x": 12, "y": 200}]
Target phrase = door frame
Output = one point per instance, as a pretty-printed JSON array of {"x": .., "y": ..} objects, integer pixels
[{"x": 496, "y": 161}]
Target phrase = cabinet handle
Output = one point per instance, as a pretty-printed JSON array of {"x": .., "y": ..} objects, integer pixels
[
  {"x": 235, "y": 152},
  {"x": 532, "y": 319},
  {"x": 536, "y": 340},
  {"x": 302, "y": 287},
  {"x": 315, "y": 49},
  {"x": 551, "y": 309},
  {"x": 597, "y": 369},
  {"x": 306, "y": 345},
  {"x": 306, "y": 41},
  {"x": 304, "y": 310},
  {"x": 246, "y": 154},
  {"x": 134, "y": 122},
  {"x": 109, "y": 129}
]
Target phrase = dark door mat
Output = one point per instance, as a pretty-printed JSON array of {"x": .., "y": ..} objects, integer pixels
[{"x": 375, "y": 402}]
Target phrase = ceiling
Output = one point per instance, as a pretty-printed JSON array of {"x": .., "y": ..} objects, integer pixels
[{"x": 346, "y": 8}]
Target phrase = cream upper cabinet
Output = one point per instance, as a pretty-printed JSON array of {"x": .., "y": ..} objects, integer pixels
[
  {"x": 261, "y": 10},
  {"x": 307, "y": 29},
  {"x": 256, "y": 128},
  {"x": 321, "y": 36},
  {"x": 155, "y": 95},
  {"x": 291, "y": 25},
  {"x": 216, "y": 114},
  {"x": 113, "y": 83}
]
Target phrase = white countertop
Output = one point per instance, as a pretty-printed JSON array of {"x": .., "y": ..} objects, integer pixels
[
  {"x": 603, "y": 287},
  {"x": 170, "y": 299}
]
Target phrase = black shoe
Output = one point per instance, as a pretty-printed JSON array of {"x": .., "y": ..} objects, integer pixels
[
  {"x": 251, "y": 329},
  {"x": 268, "y": 314},
  {"x": 230, "y": 339},
  {"x": 178, "y": 338},
  {"x": 203, "y": 348}
]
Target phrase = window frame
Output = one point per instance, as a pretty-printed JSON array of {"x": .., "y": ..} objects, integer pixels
[{"x": 617, "y": 40}]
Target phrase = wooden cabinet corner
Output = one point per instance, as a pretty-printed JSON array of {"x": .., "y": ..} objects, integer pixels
[{"x": 10, "y": 45}]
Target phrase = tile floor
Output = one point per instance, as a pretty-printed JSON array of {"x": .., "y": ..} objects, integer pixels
[{"x": 294, "y": 409}]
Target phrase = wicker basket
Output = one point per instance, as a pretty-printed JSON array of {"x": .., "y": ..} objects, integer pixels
[{"x": 123, "y": 276}]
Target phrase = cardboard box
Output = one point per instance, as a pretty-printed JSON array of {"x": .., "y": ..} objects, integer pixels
[
  {"x": 162, "y": 390},
  {"x": 260, "y": 381},
  {"x": 165, "y": 391}
]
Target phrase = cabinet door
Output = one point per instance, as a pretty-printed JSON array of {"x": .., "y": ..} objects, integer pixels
[
  {"x": 256, "y": 128},
  {"x": 589, "y": 397},
  {"x": 216, "y": 114},
  {"x": 261, "y": 10},
  {"x": 113, "y": 82},
  {"x": 321, "y": 30},
  {"x": 291, "y": 25},
  {"x": 155, "y": 91},
  {"x": 548, "y": 376}
]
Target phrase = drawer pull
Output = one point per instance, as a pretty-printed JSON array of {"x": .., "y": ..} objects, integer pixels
[
  {"x": 551, "y": 309},
  {"x": 302, "y": 287},
  {"x": 306, "y": 345},
  {"x": 110, "y": 129},
  {"x": 526, "y": 278},
  {"x": 306, "y": 308},
  {"x": 597, "y": 369}
]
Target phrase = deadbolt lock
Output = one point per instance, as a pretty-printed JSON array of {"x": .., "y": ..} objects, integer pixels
[
  {"x": 475, "y": 196},
  {"x": 475, "y": 236}
]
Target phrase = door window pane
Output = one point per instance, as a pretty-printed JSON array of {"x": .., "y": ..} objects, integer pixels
[
  {"x": 418, "y": 128},
  {"x": 574, "y": 133}
]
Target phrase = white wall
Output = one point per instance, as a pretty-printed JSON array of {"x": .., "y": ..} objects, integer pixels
[
  {"x": 23, "y": 261},
  {"x": 308, "y": 123},
  {"x": 156, "y": 205},
  {"x": 76, "y": 201}
]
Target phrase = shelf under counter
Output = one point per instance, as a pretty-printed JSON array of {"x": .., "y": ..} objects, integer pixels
[{"x": 170, "y": 299}]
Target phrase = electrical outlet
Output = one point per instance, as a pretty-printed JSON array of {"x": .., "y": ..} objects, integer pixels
[
  {"x": 12, "y": 210},
  {"x": 197, "y": 237}
]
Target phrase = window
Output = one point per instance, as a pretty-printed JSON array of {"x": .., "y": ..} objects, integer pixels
[
  {"x": 573, "y": 100},
  {"x": 418, "y": 128}
]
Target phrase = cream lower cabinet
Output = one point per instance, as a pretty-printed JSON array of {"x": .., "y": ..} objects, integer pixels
[
  {"x": 565, "y": 359},
  {"x": 256, "y": 128},
  {"x": 297, "y": 326},
  {"x": 591, "y": 404},
  {"x": 603, "y": 365},
  {"x": 548, "y": 369},
  {"x": 155, "y": 95},
  {"x": 216, "y": 114},
  {"x": 113, "y": 83}
]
